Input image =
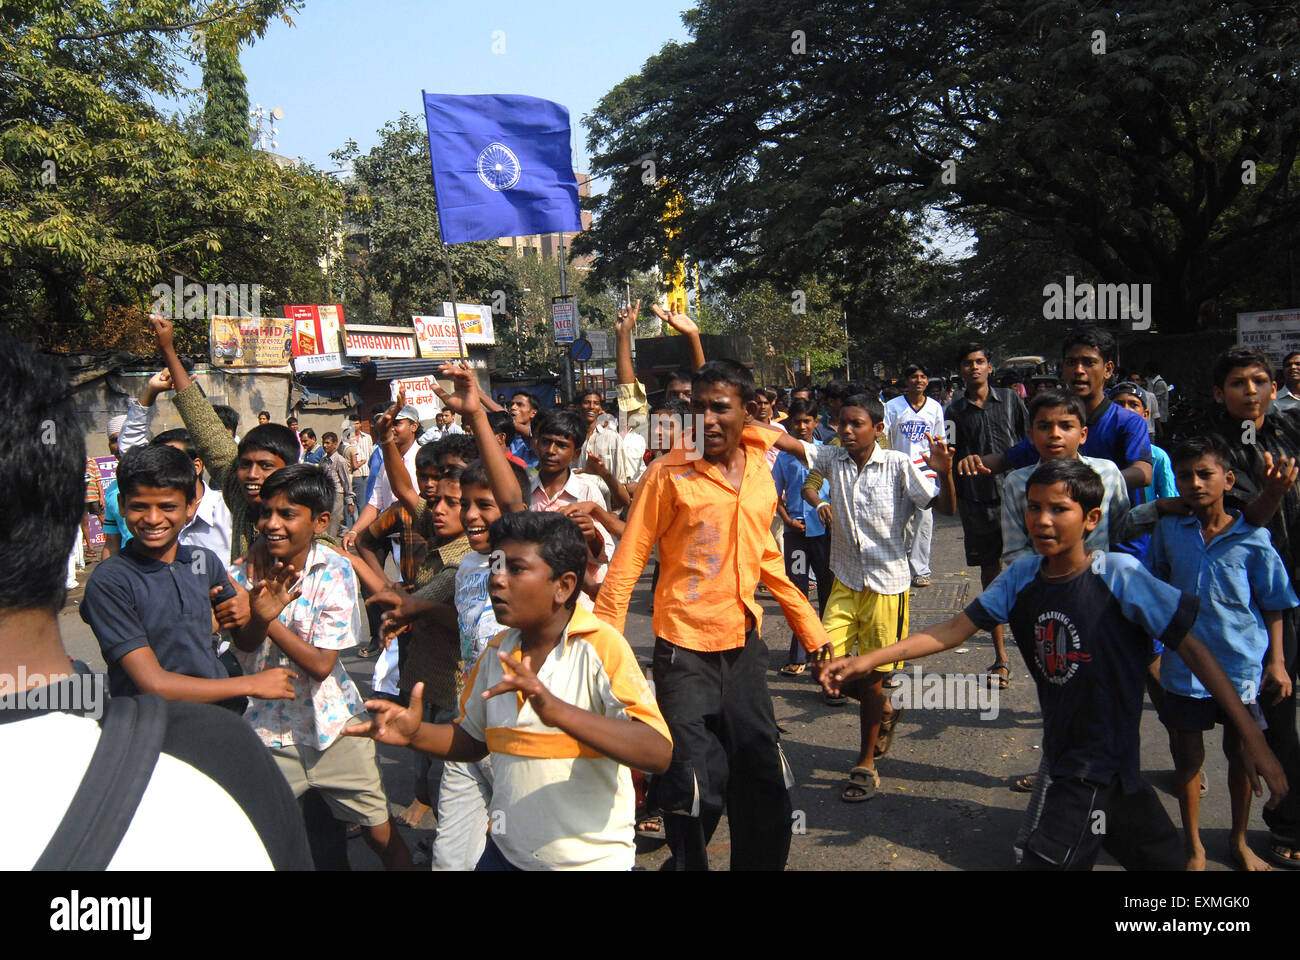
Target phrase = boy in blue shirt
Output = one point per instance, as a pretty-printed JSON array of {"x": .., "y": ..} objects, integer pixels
[
  {"x": 807, "y": 544},
  {"x": 1244, "y": 590},
  {"x": 1084, "y": 626}
]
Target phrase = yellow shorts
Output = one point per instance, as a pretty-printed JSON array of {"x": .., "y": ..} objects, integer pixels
[{"x": 859, "y": 621}]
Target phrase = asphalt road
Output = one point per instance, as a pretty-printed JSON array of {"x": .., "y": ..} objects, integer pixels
[{"x": 944, "y": 802}]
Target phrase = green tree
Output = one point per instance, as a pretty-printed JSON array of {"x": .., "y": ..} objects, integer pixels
[
  {"x": 1153, "y": 146},
  {"x": 225, "y": 112},
  {"x": 101, "y": 196}
]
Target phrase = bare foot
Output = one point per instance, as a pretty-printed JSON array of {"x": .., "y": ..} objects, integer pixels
[
  {"x": 413, "y": 814},
  {"x": 1244, "y": 857},
  {"x": 1196, "y": 859}
]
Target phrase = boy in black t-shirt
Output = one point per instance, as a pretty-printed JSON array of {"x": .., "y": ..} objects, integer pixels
[
  {"x": 1084, "y": 627},
  {"x": 152, "y": 605}
]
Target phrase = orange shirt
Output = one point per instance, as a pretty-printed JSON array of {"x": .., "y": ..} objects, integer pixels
[{"x": 715, "y": 545}]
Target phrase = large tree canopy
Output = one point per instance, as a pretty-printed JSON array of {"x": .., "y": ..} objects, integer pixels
[
  {"x": 101, "y": 196},
  {"x": 1154, "y": 144}
]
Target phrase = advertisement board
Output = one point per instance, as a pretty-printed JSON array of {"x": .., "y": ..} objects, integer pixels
[
  {"x": 1275, "y": 332},
  {"x": 378, "y": 341},
  {"x": 251, "y": 343},
  {"x": 419, "y": 394},
  {"x": 475, "y": 323},
  {"x": 316, "y": 336},
  {"x": 564, "y": 316},
  {"x": 436, "y": 336}
]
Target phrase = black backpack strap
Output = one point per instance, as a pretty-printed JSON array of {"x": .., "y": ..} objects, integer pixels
[{"x": 110, "y": 791}]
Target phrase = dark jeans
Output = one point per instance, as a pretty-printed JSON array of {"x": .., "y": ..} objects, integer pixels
[
  {"x": 725, "y": 755},
  {"x": 493, "y": 860},
  {"x": 1284, "y": 819},
  {"x": 382, "y": 551},
  {"x": 802, "y": 555},
  {"x": 1080, "y": 818}
]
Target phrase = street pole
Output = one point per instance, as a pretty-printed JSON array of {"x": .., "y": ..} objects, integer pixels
[{"x": 567, "y": 359}]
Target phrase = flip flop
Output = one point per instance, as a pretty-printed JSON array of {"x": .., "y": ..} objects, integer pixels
[
  {"x": 650, "y": 827},
  {"x": 793, "y": 669},
  {"x": 1024, "y": 784},
  {"x": 862, "y": 784},
  {"x": 1276, "y": 843},
  {"x": 886, "y": 738}
]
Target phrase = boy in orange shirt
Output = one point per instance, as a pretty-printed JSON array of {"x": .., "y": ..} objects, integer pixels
[{"x": 710, "y": 512}]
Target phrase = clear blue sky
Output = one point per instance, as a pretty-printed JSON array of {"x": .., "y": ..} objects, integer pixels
[{"x": 348, "y": 66}]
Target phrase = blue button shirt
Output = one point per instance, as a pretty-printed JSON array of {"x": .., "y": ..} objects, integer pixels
[
  {"x": 1237, "y": 575},
  {"x": 789, "y": 474}
]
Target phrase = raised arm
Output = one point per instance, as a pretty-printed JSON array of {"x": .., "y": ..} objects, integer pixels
[
  {"x": 398, "y": 479},
  {"x": 467, "y": 401},
  {"x": 216, "y": 446},
  {"x": 623, "y": 330},
  {"x": 688, "y": 329}
]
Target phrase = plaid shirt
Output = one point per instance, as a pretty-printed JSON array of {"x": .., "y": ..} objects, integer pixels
[
  {"x": 1114, "y": 510},
  {"x": 415, "y": 532},
  {"x": 869, "y": 510}
]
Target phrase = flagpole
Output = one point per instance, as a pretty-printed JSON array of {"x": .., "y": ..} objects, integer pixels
[
  {"x": 564, "y": 292},
  {"x": 455, "y": 308}
]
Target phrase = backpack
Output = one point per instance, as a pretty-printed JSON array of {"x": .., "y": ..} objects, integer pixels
[{"x": 111, "y": 788}]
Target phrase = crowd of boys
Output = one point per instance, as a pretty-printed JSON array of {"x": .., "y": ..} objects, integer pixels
[{"x": 239, "y": 568}]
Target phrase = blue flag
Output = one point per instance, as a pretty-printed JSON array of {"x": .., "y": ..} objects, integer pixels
[{"x": 501, "y": 167}]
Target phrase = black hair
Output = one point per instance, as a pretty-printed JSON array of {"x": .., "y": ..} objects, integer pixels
[
  {"x": 458, "y": 445},
  {"x": 427, "y": 457},
  {"x": 179, "y": 435},
  {"x": 377, "y": 409},
  {"x": 1193, "y": 448},
  {"x": 500, "y": 421},
  {"x": 559, "y": 541},
  {"x": 273, "y": 438},
  {"x": 678, "y": 376},
  {"x": 875, "y": 410},
  {"x": 1093, "y": 337},
  {"x": 290, "y": 420},
  {"x": 42, "y": 471},
  {"x": 561, "y": 423},
  {"x": 836, "y": 390},
  {"x": 1286, "y": 359},
  {"x": 229, "y": 416},
  {"x": 475, "y": 475},
  {"x": 264, "y": 413},
  {"x": 329, "y": 435},
  {"x": 677, "y": 407},
  {"x": 800, "y": 407},
  {"x": 1052, "y": 399},
  {"x": 532, "y": 401},
  {"x": 452, "y": 473},
  {"x": 912, "y": 368},
  {"x": 967, "y": 349},
  {"x": 584, "y": 394},
  {"x": 155, "y": 465},
  {"x": 1085, "y": 487},
  {"x": 304, "y": 484},
  {"x": 307, "y": 432},
  {"x": 1235, "y": 357},
  {"x": 727, "y": 373}
]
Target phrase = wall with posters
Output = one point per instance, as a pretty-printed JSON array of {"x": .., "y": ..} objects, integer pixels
[
  {"x": 475, "y": 323},
  {"x": 1275, "y": 332}
]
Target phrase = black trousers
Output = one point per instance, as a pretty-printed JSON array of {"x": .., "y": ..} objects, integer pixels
[
  {"x": 1284, "y": 819},
  {"x": 1081, "y": 818},
  {"x": 725, "y": 756},
  {"x": 804, "y": 554}
]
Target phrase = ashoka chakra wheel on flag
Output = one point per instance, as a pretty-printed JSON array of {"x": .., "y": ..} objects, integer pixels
[{"x": 498, "y": 167}]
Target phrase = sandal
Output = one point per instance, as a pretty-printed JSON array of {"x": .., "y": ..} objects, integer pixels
[
  {"x": 835, "y": 701},
  {"x": 365, "y": 653},
  {"x": 992, "y": 672},
  {"x": 793, "y": 669},
  {"x": 886, "y": 737},
  {"x": 862, "y": 784},
  {"x": 1024, "y": 784},
  {"x": 651, "y": 827}
]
